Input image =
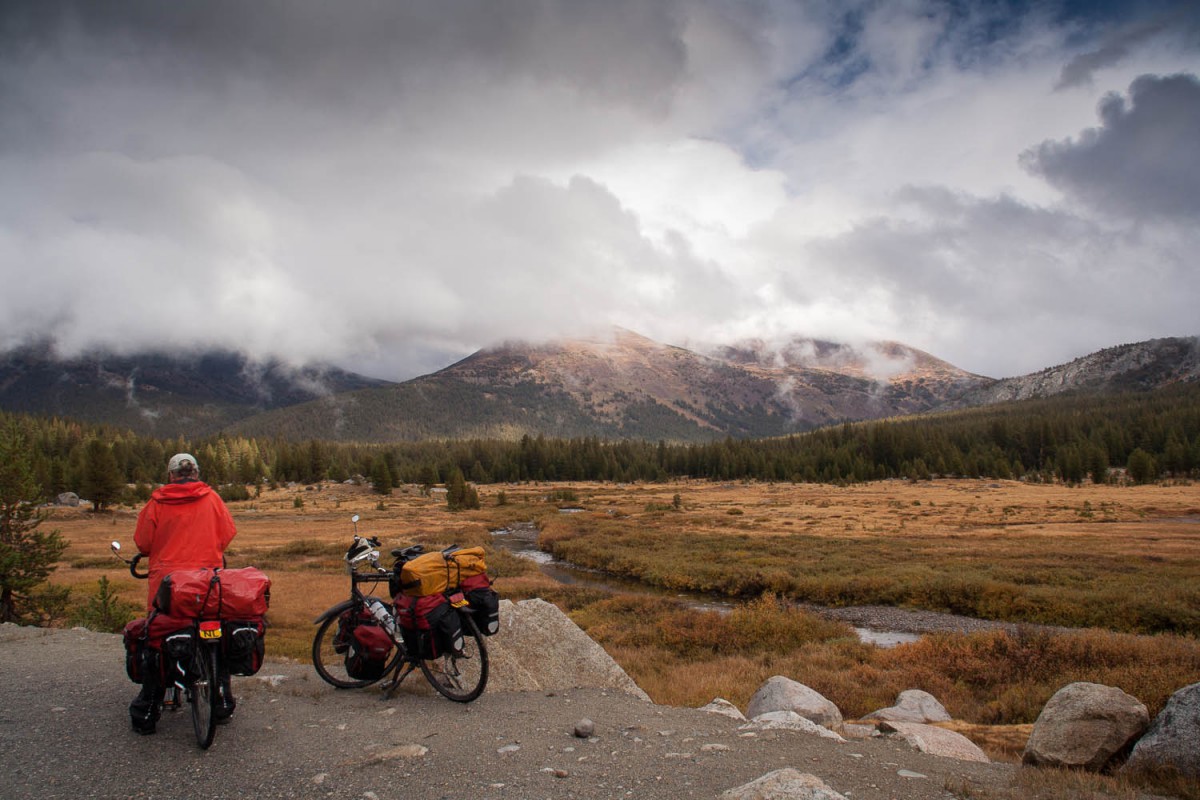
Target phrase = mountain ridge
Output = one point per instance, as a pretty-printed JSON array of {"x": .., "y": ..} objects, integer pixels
[{"x": 617, "y": 386}]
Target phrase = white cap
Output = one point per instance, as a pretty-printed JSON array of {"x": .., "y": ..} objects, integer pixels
[{"x": 183, "y": 462}]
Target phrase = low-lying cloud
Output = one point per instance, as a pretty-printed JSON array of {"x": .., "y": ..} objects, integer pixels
[{"x": 390, "y": 186}]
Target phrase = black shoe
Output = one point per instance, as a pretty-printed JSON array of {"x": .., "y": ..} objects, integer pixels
[
  {"x": 222, "y": 714},
  {"x": 143, "y": 728}
]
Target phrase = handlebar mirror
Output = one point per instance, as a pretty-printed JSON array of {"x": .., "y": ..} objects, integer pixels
[
  {"x": 116, "y": 547},
  {"x": 354, "y": 518}
]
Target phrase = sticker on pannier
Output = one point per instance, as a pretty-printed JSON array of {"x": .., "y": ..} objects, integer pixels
[
  {"x": 368, "y": 651},
  {"x": 206, "y": 593},
  {"x": 244, "y": 645},
  {"x": 430, "y": 625}
]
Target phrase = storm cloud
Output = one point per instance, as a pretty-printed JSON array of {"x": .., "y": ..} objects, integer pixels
[
  {"x": 388, "y": 186},
  {"x": 1143, "y": 161}
]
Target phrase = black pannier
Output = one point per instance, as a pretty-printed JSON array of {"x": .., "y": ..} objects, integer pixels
[
  {"x": 429, "y": 625},
  {"x": 484, "y": 603},
  {"x": 244, "y": 645}
]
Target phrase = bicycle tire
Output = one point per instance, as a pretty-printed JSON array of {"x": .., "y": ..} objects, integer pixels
[
  {"x": 460, "y": 676},
  {"x": 331, "y": 665},
  {"x": 204, "y": 695}
]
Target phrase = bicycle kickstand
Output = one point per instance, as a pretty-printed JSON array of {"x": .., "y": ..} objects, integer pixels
[{"x": 398, "y": 677}]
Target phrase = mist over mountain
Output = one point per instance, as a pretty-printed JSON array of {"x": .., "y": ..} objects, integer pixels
[
  {"x": 162, "y": 394},
  {"x": 617, "y": 386}
]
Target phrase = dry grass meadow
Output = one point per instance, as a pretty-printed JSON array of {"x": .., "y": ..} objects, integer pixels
[{"x": 1120, "y": 560}]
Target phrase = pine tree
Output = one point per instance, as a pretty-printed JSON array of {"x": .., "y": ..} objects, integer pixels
[
  {"x": 27, "y": 555},
  {"x": 102, "y": 479},
  {"x": 460, "y": 496},
  {"x": 381, "y": 476}
]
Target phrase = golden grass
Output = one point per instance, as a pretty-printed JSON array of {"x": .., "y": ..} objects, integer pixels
[{"x": 1001, "y": 549}]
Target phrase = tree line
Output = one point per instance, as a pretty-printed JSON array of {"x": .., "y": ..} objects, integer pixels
[{"x": 1139, "y": 437}]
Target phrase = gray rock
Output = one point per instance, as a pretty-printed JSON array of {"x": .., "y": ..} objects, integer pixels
[
  {"x": 539, "y": 648},
  {"x": 936, "y": 741},
  {"x": 784, "y": 784},
  {"x": 1086, "y": 726},
  {"x": 1173, "y": 740},
  {"x": 784, "y": 694},
  {"x": 584, "y": 728},
  {"x": 913, "y": 705},
  {"x": 788, "y": 720},
  {"x": 724, "y": 708},
  {"x": 67, "y": 499}
]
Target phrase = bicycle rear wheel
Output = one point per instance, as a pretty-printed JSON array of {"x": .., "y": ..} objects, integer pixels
[
  {"x": 204, "y": 695},
  {"x": 460, "y": 676},
  {"x": 329, "y": 655}
]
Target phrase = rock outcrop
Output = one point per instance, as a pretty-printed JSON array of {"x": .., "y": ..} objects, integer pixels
[
  {"x": 784, "y": 694},
  {"x": 539, "y": 648},
  {"x": 1086, "y": 726},
  {"x": 1173, "y": 740}
]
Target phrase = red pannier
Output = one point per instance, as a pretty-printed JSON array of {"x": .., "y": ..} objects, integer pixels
[
  {"x": 368, "y": 651},
  {"x": 429, "y": 625},
  {"x": 215, "y": 593},
  {"x": 144, "y": 644}
]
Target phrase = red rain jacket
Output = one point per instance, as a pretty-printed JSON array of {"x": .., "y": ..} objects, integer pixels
[{"x": 183, "y": 526}]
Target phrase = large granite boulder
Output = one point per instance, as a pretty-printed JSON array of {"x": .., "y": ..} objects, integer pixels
[
  {"x": 913, "y": 705},
  {"x": 1086, "y": 726},
  {"x": 784, "y": 694},
  {"x": 1173, "y": 740},
  {"x": 539, "y": 648}
]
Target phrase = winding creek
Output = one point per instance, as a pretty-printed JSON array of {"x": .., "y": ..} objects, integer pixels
[{"x": 521, "y": 540}]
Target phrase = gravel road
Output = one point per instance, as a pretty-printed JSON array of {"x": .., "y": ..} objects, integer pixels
[{"x": 64, "y": 733}]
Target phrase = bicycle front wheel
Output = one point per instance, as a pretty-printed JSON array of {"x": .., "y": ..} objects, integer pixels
[
  {"x": 329, "y": 654},
  {"x": 204, "y": 695},
  {"x": 460, "y": 676}
]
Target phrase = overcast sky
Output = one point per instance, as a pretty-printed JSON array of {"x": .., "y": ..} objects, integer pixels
[{"x": 389, "y": 186}]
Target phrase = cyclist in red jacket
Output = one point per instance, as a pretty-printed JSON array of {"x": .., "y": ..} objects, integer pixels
[{"x": 185, "y": 525}]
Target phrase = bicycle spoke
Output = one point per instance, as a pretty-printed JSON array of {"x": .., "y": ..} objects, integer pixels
[{"x": 460, "y": 676}]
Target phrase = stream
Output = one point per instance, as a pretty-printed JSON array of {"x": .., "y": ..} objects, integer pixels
[{"x": 522, "y": 541}]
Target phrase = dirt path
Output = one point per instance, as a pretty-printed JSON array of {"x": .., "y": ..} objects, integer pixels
[{"x": 64, "y": 734}]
